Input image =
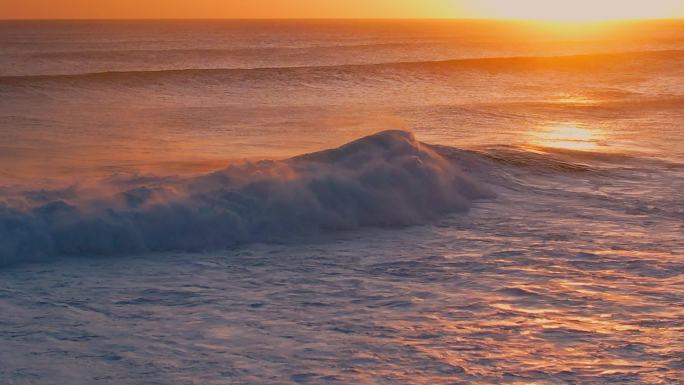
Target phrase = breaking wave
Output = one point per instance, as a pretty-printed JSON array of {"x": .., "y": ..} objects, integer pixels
[{"x": 387, "y": 179}]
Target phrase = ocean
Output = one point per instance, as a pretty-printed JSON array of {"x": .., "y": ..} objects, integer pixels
[{"x": 341, "y": 202}]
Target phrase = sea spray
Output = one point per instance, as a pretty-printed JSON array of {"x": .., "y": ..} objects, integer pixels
[{"x": 386, "y": 179}]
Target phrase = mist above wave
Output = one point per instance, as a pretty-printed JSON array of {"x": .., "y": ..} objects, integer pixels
[{"x": 387, "y": 179}]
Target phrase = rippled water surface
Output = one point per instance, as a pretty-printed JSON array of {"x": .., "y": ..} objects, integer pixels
[
  {"x": 518, "y": 291},
  {"x": 523, "y": 226}
]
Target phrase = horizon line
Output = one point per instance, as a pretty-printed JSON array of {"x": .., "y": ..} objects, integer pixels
[{"x": 351, "y": 19}]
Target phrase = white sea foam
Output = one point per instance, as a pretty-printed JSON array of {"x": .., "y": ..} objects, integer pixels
[{"x": 387, "y": 179}]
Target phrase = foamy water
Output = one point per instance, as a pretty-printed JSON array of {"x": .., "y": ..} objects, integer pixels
[{"x": 520, "y": 223}]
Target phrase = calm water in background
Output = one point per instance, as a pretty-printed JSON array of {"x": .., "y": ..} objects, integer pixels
[
  {"x": 569, "y": 270},
  {"x": 180, "y": 95}
]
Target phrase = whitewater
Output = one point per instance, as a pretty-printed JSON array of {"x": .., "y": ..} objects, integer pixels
[{"x": 336, "y": 202}]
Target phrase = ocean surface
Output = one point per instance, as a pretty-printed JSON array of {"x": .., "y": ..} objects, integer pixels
[{"x": 341, "y": 202}]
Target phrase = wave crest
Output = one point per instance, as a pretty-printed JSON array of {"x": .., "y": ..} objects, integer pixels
[{"x": 386, "y": 179}]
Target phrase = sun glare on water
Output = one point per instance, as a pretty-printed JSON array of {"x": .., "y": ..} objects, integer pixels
[{"x": 568, "y": 137}]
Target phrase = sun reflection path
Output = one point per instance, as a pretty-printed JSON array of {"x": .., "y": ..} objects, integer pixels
[{"x": 568, "y": 136}]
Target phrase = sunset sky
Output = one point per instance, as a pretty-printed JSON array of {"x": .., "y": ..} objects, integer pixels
[{"x": 576, "y": 10}]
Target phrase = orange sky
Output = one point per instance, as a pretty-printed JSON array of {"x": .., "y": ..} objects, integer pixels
[{"x": 526, "y": 9}]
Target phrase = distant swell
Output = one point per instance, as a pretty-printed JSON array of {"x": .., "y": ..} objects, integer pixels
[
  {"x": 387, "y": 179},
  {"x": 102, "y": 54},
  {"x": 598, "y": 61}
]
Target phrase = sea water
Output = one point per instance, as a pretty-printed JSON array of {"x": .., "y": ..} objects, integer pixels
[{"x": 374, "y": 202}]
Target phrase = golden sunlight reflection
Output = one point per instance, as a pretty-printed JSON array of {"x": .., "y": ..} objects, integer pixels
[
  {"x": 576, "y": 100},
  {"x": 568, "y": 136}
]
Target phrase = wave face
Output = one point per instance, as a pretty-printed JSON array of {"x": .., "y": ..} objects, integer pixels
[{"x": 387, "y": 179}]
